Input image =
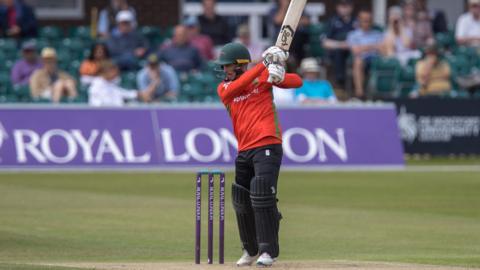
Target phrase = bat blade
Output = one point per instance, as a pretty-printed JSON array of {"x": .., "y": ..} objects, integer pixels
[{"x": 290, "y": 23}]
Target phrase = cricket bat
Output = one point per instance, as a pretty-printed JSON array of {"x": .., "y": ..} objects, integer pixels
[{"x": 289, "y": 25}]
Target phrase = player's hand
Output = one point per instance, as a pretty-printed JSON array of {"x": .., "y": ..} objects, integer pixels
[
  {"x": 276, "y": 73},
  {"x": 274, "y": 55}
]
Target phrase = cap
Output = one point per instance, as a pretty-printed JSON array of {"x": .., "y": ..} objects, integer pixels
[
  {"x": 473, "y": 2},
  {"x": 124, "y": 16},
  {"x": 49, "y": 53},
  {"x": 29, "y": 46},
  {"x": 191, "y": 21},
  {"x": 309, "y": 65},
  {"x": 152, "y": 59}
]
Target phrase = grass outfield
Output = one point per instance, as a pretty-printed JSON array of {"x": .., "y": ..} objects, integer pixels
[{"x": 406, "y": 217}]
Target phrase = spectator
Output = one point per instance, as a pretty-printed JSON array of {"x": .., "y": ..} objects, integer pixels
[
  {"x": 49, "y": 82},
  {"x": 422, "y": 35},
  {"x": 468, "y": 25},
  {"x": 297, "y": 48},
  {"x": 213, "y": 25},
  {"x": 432, "y": 74},
  {"x": 90, "y": 66},
  {"x": 202, "y": 42},
  {"x": 255, "y": 49},
  {"x": 162, "y": 76},
  {"x": 180, "y": 54},
  {"x": 314, "y": 90},
  {"x": 105, "y": 92},
  {"x": 24, "y": 68},
  {"x": 365, "y": 44},
  {"x": 17, "y": 20},
  {"x": 337, "y": 29},
  {"x": 128, "y": 47},
  {"x": 107, "y": 18},
  {"x": 409, "y": 13},
  {"x": 398, "y": 40}
]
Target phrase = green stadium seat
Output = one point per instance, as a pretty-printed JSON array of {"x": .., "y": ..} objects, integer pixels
[
  {"x": 407, "y": 81},
  {"x": 384, "y": 76},
  {"x": 5, "y": 83},
  {"x": 51, "y": 32},
  {"x": 445, "y": 40},
  {"x": 74, "y": 46},
  {"x": 316, "y": 29},
  {"x": 168, "y": 32},
  {"x": 150, "y": 32},
  {"x": 316, "y": 49},
  {"x": 129, "y": 80},
  {"x": 9, "y": 48},
  {"x": 80, "y": 32},
  {"x": 22, "y": 92}
]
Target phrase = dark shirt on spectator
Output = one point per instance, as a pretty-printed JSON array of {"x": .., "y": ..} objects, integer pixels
[
  {"x": 337, "y": 28},
  {"x": 217, "y": 29},
  {"x": 183, "y": 58},
  {"x": 21, "y": 15},
  {"x": 122, "y": 49}
]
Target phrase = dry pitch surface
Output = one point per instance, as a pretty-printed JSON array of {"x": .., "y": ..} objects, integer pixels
[{"x": 307, "y": 265}]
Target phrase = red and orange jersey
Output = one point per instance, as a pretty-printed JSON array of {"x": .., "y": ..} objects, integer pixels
[{"x": 249, "y": 101}]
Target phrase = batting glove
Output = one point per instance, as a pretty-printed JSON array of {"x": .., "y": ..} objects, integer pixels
[
  {"x": 276, "y": 73},
  {"x": 274, "y": 55}
]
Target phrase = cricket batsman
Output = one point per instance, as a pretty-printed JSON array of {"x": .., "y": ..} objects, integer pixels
[{"x": 248, "y": 97}]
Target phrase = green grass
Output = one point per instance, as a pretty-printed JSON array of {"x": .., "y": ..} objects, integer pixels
[
  {"x": 417, "y": 217},
  {"x": 10, "y": 266}
]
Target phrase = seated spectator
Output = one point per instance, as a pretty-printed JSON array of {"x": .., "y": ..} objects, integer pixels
[
  {"x": 179, "y": 53},
  {"x": 200, "y": 41},
  {"x": 314, "y": 90},
  {"x": 255, "y": 49},
  {"x": 417, "y": 21},
  {"x": 468, "y": 25},
  {"x": 423, "y": 35},
  {"x": 106, "y": 20},
  {"x": 337, "y": 30},
  {"x": 365, "y": 44},
  {"x": 432, "y": 74},
  {"x": 398, "y": 41},
  {"x": 163, "y": 76},
  {"x": 24, "y": 68},
  {"x": 104, "y": 90},
  {"x": 17, "y": 20},
  {"x": 213, "y": 25},
  {"x": 128, "y": 47},
  {"x": 49, "y": 82},
  {"x": 90, "y": 66}
]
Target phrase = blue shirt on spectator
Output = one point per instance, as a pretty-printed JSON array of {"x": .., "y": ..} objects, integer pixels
[
  {"x": 315, "y": 89},
  {"x": 362, "y": 38},
  {"x": 168, "y": 77}
]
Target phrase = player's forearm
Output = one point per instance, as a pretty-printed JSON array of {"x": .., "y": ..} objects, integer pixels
[{"x": 291, "y": 80}]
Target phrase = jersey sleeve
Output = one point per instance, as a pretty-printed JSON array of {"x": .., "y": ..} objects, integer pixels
[
  {"x": 291, "y": 80},
  {"x": 227, "y": 91}
]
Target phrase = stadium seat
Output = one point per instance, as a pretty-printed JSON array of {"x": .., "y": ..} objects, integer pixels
[
  {"x": 22, "y": 93},
  {"x": 74, "y": 46},
  {"x": 80, "y": 32},
  {"x": 384, "y": 76},
  {"x": 316, "y": 29},
  {"x": 5, "y": 83},
  {"x": 51, "y": 32},
  {"x": 445, "y": 40},
  {"x": 9, "y": 48},
  {"x": 129, "y": 80},
  {"x": 167, "y": 32},
  {"x": 407, "y": 81}
]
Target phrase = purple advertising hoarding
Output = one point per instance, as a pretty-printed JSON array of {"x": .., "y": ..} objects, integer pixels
[{"x": 191, "y": 137}]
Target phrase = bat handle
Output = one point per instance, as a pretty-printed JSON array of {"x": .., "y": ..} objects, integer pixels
[{"x": 270, "y": 79}]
